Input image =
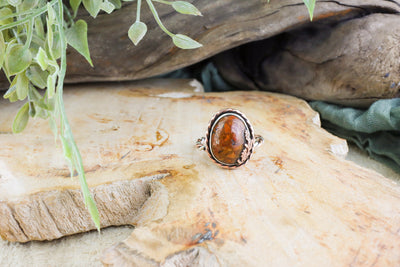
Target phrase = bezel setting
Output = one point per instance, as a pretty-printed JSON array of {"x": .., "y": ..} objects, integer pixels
[{"x": 249, "y": 138}]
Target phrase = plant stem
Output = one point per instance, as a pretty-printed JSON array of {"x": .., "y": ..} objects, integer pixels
[
  {"x": 70, "y": 18},
  {"x": 39, "y": 12},
  {"x": 29, "y": 34},
  {"x": 17, "y": 37},
  {"x": 65, "y": 129},
  {"x": 27, "y": 12},
  {"x": 138, "y": 8},
  {"x": 157, "y": 18}
]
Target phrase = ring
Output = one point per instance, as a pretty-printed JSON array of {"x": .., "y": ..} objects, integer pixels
[{"x": 230, "y": 139}]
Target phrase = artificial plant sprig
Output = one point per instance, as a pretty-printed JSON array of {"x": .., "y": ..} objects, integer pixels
[
  {"x": 71, "y": 151},
  {"x": 310, "y": 4},
  {"x": 34, "y": 57},
  {"x": 138, "y": 29},
  {"x": 33, "y": 43},
  {"x": 182, "y": 7}
]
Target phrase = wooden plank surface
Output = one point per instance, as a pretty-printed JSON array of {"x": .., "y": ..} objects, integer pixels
[{"x": 296, "y": 202}]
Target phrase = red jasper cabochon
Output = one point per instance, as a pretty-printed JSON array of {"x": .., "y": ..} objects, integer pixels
[{"x": 227, "y": 139}]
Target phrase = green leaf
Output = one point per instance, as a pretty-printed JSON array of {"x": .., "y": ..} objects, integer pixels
[
  {"x": 137, "y": 31},
  {"x": 184, "y": 7},
  {"x": 37, "y": 76},
  {"x": 92, "y": 6},
  {"x": 29, "y": 34},
  {"x": 34, "y": 95},
  {"x": 13, "y": 97},
  {"x": 94, "y": 212},
  {"x": 117, "y": 3},
  {"x": 67, "y": 149},
  {"x": 42, "y": 59},
  {"x": 51, "y": 14},
  {"x": 49, "y": 37},
  {"x": 10, "y": 92},
  {"x": 2, "y": 49},
  {"x": 21, "y": 119},
  {"x": 56, "y": 48},
  {"x": 14, "y": 2},
  {"x": 5, "y": 11},
  {"x": 35, "y": 104},
  {"x": 32, "y": 109},
  {"x": 19, "y": 58},
  {"x": 107, "y": 7},
  {"x": 68, "y": 154},
  {"x": 39, "y": 29},
  {"x": 11, "y": 43},
  {"x": 310, "y": 4},
  {"x": 77, "y": 37},
  {"x": 3, "y": 3},
  {"x": 53, "y": 67},
  {"x": 41, "y": 113},
  {"x": 27, "y": 5},
  {"x": 51, "y": 104},
  {"x": 51, "y": 85},
  {"x": 185, "y": 42},
  {"x": 75, "y": 5},
  {"x": 21, "y": 84}
]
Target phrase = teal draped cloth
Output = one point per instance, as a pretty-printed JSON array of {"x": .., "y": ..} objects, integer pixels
[{"x": 376, "y": 129}]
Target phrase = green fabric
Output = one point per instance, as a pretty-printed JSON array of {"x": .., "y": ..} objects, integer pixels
[
  {"x": 206, "y": 73},
  {"x": 376, "y": 130}
]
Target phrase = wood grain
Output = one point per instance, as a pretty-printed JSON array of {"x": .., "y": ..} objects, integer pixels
[
  {"x": 352, "y": 63},
  {"x": 297, "y": 202},
  {"x": 225, "y": 24},
  {"x": 347, "y": 55},
  {"x": 115, "y": 58}
]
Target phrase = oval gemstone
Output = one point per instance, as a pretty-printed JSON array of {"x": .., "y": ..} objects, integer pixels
[{"x": 227, "y": 139}]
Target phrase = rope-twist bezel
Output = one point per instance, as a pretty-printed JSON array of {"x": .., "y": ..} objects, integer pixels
[{"x": 251, "y": 140}]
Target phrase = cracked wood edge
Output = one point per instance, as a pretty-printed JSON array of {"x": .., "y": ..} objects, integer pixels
[
  {"x": 52, "y": 206},
  {"x": 121, "y": 254},
  {"x": 54, "y": 214}
]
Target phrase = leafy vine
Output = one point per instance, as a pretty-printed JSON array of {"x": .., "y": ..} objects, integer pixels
[{"x": 34, "y": 35}]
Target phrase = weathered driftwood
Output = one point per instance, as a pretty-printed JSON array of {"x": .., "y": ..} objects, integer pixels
[
  {"x": 358, "y": 59},
  {"x": 352, "y": 63},
  {"x": 296, "y": 202},
  {"x": 225, "y": 24},
  {"x": 355, "y": 62}
]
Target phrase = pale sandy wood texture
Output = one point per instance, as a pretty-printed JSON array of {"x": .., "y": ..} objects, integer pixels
[{"x": 297, "y": 202}]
